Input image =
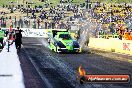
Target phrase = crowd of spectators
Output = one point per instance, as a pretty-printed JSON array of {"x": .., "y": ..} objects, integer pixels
[
  {"x": 38, "y": 17},
  {"x": 114, "y": 19},
  {"x": 102, "y": 19}
]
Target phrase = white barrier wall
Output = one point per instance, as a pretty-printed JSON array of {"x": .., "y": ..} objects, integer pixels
[
  {"x": 11, "y": 75},
  {"x": 27, "y": 32},
  {"x": 119, "y": 46}
]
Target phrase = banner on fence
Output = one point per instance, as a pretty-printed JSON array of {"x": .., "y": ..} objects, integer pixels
[{"x": 116, "y": 45}]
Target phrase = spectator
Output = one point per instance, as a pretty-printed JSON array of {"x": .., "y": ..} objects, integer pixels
[
  {"x": 18, "y": 38},
  {"x": 20, "y": 23},
  {"x": 15, "y": 23},
  {"x": 38, "y": 22}
]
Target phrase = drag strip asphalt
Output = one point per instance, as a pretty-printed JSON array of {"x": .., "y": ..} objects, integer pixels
[{"x": 60, "y": 70}]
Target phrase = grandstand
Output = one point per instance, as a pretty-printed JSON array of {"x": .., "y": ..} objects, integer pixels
[
  {"x": 115, "y": 15},
  {"x": 106, "y": 14},
  {"x": 38, "y": 2}
]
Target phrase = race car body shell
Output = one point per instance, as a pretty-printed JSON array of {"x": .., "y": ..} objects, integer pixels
[{"x": 61, "y": 41}]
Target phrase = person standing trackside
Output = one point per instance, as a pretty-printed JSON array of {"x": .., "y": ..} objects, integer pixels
[
  {"x": 15, "y": 22},
  {"x": 18, "y": 38},
  {"x": 38, "y": 21}
]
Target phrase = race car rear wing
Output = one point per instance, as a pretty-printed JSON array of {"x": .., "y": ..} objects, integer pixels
[{"x": 53, "y": 32}]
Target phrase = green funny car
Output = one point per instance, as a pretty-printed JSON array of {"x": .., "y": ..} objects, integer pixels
[{"x": 61, "y": 41}]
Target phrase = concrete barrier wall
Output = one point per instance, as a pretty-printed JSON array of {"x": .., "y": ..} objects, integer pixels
[
  {"x": 10, "y": 69},
  {"x": 34, "y": 32},
  {"x": 28, "y": 32},
  {"x": 114, "y": 45}
]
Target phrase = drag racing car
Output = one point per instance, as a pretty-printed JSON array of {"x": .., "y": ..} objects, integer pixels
[{"x": 61, "y": 41}]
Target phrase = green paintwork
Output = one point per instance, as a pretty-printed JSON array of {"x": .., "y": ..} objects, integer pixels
[
  {"x": 67, "y": 42},
  {"x": 1, "y": 34}
]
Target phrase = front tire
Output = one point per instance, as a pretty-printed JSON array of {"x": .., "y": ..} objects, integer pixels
[{"x": 56, "y": 49}]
